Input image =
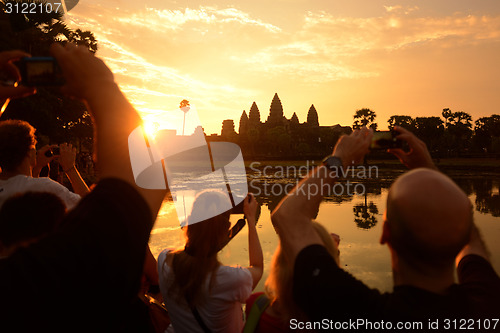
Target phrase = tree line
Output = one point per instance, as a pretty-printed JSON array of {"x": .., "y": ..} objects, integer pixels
[{"x": 453, "y": 134}]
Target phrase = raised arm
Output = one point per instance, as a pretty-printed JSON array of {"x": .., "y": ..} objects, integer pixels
[
  {"x": 256, "y": 257},
  {"x": 89, "y": 79},
  {"x": 67, "y": 160},
  {"x": 292, "y": 218}
]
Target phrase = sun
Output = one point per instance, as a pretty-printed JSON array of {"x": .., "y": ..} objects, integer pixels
[{"x": 151, "y": 128}]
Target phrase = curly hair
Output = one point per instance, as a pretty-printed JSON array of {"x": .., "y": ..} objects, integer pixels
[{"x": 17, "y": 137}]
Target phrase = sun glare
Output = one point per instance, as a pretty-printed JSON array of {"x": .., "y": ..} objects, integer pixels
[{"x": 151, "y": 128}]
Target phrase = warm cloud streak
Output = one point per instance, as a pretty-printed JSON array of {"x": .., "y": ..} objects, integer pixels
[
  {"x": 162, "y": 20},
  {"x": 223, "y": 58}
]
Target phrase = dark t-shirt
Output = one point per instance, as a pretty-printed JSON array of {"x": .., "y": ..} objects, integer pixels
[
  {"x": 85, "y": 276},
  {"x": 325, "y": 291}
]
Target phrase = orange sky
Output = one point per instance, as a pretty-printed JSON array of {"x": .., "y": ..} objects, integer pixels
[{"x": 402, "y": 57}]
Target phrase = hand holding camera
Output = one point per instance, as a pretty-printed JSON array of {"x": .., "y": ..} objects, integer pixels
[
  {"x": 10, "y": 76},
  {"x": 418, "y": 156},
  {"x": 385, "y": 140},
  {"x": 351, "y": 149}
]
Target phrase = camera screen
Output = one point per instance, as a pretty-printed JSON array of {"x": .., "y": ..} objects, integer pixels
[
  {"x": 40, "y": 72},
  {"x": 383, "y": 140}
]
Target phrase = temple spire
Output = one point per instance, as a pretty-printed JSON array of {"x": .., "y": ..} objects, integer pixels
[
  {"x": 312, "y": 116},
  {"x": 275, "y": 111},
  {"x": 254, "y": 115},
  {"x": 243, "y": 123}
]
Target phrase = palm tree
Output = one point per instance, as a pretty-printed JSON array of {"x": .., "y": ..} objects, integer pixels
[
  {"x": 34, "y": 32},
  {"x": 365, "y": 117},
  {"x": 365, "y": 215}
]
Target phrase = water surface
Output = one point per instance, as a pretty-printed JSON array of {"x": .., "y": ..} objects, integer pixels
[{"x": 357, "y": 219}]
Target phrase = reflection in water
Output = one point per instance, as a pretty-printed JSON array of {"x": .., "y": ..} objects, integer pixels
[
  {"x": 487, "y": 197},
  {"x": 365, "y": 216},
  {"x": 361, "y": 253}
]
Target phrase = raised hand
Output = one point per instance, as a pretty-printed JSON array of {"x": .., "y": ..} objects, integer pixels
[
  {"x": 42, "y": 159},
  {"x": 250, "y": 207},
  {"x": 67, "y": 156},
  {"x": 418, "y": 156},
  {"x": 351, "y": 149},
  {"x": 9, "y": 76}
]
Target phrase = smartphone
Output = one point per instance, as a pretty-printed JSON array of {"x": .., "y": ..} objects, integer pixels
[
  {"x": 40, "y": 71},
  {"x": 236, "y": 228},
  {"x": 385, "y": 140}
]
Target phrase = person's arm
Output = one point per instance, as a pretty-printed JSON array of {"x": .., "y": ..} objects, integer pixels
[
  {"x": 475, "y": 246},
  {"x": 89, "y": 79},
  {"x": 256, "y": 257},
  {"x": 66, "y": 159},
  {"x": 418, "y": 156},
  {"x": 292, "y": 218}
]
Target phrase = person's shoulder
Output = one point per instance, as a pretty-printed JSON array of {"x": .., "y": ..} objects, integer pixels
[
  {"x": 234, "y": 277},
  {"x": 162, "y": 257},
  {"x": 234, "y": 272},
  {"x": 474, "y": 258},
  {"x": 25, "y": 183},
  {"x": 164, "y": 253},
  {"x": 43, "y": 183},
  {"x": 15, "y": 180},
  {"x": 474, "y": 267},
  {"x": 233, "y": 283}
]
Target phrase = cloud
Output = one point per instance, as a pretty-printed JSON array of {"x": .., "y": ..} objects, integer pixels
[
  {"x": 222, "y": 57},
  {"x": 166, "y": 19},
  {"x": 400, "y": 9},
  {"x": 328, "y": 48},
  {"x": 390, "y": 32}
]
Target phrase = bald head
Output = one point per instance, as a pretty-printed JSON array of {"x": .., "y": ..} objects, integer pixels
[{"x": 429, "y": 218}]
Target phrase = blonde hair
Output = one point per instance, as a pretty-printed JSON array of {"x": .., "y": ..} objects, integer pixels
[
  {"x": 278, "y": 286},
  {"x": 197, "y": 260}
]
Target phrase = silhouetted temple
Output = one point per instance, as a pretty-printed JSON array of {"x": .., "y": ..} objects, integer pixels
[{"x": 279, "y": 136}]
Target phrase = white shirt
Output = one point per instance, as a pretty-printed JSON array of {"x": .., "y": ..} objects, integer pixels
[
  {"x": 23, "y": 184},
  {"x": 221, "y": 312}
]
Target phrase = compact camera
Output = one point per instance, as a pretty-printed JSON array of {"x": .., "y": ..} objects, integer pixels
[
  {"x": 40, "y": 71},
  {"x": 385, "y": 140}
]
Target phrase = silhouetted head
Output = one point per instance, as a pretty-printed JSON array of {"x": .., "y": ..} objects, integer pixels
[
  {"x": 428, "y": 220},
  {"x": 279, "y": 282},
  {"x": 27, "y": 217},
  {"x": 17, "y": 141}
]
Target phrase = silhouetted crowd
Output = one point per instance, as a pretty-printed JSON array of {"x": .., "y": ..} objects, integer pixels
[{"x": 79, "y": 261}]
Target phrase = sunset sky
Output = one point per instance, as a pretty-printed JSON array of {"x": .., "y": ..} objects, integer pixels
[{"x": 394, "y": 57}]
